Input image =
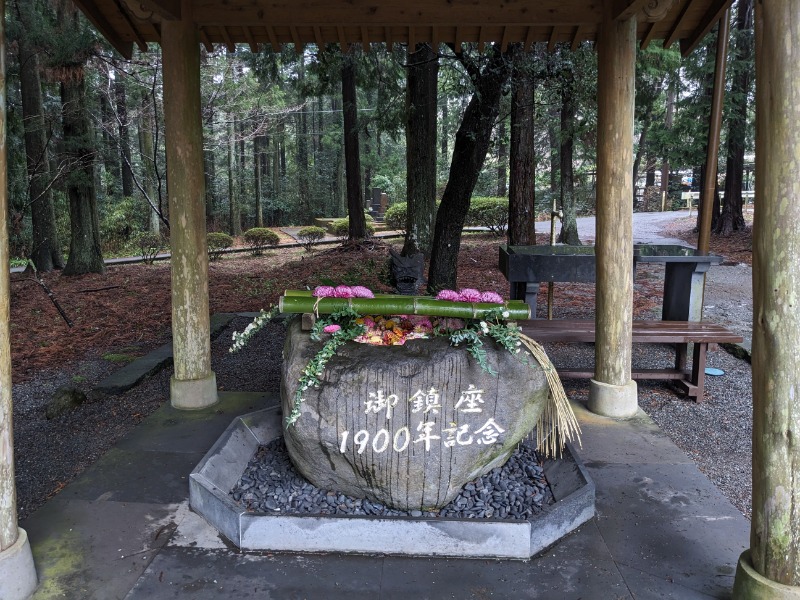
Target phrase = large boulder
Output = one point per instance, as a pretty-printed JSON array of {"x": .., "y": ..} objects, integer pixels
[{"x": 408, "y": 425}]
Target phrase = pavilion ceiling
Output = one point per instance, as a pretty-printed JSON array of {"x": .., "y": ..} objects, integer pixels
[{"x": 126, "y": 23}]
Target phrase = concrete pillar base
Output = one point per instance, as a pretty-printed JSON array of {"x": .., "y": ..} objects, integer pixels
[
  {"x": 751, "y": 585},
  {"x": 193, "y": 394},
  {"x": 17, "y": 572},
  {"x": 617, "y": 401}
]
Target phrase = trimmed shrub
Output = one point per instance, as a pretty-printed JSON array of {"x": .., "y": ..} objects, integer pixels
[
  {"x": 489, "y": 212},
  {"x": 258, "y": 238},
  {"x": 395, "y": 217},
  {"x": 310, "y": 235},
  {"x": 149, "y": 245},
  {"x": 341, "y": 228},
  {"x": 217, "y": 242}
]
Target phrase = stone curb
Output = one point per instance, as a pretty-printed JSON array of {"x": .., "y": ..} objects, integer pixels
[
  {"x": 740, "y": 351},
  {"x": 130, "y": 375},
  {"x": 222, "y": 466}
]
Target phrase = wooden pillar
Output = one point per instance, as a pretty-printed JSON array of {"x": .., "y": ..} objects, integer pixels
[
  {"x": 771, "y": 567},
  {"x": 612, "y": 392},
  {"x": 194, "y": 383},
  {"x": 714, "y": 127},
  {"x": 17, "y": 573}
]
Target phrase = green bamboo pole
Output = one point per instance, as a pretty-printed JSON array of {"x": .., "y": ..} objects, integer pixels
[{"x": 400, "y": 305}]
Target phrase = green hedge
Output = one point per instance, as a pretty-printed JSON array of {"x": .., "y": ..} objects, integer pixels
[
  {"x": 149, "y": 245},
  {"x": 341, "y": 228},
  {"x": 217, "y": 242},
  {"x": 259, "y": 237},
  {"x": 395, "y": 217},
  {"x": 310, "y": 235},
  {"x": 490, "y": 212}
]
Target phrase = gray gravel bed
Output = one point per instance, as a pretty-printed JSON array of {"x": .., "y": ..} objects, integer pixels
[{"x": 516, "y": 491}]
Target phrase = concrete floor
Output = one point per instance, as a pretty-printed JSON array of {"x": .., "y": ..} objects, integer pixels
[{"x": 124, "y": 530}]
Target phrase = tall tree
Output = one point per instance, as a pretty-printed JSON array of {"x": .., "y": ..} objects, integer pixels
[
  {"x": 469, "y": 153},
  {"x": 421, "y": 113},
  {"x": 45, "y": 250},
  {"x": 148, "y": 157},
  {"x": 741, "y": 64},
  {"x": 355, "y": 202},
  {"x": 85, "y": 254},
  {"x": 522, "y": 188},
  {"x": 569, "y": 224},
  {"x": 502, "y": 160},
  {"x": 126, "y": 167}
]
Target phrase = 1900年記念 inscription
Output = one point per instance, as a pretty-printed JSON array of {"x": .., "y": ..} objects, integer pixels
[{"x": 408, "y": 425}]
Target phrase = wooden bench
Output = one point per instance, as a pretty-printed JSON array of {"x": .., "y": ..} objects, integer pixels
[{"x": 679, "y": 333}]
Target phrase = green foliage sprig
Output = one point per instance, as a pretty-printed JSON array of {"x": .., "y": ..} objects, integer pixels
[
  {"x": 348, "y": 330},
  {"x": 495, "y": 326}
]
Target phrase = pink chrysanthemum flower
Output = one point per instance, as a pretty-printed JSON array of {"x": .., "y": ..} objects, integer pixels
[
  {"x": 343, "y": 291},
  {"x": 449, "y": 295},
  {"x": 359, "y": 291},
  {"x": 323, "y": 291},
  {"x": 469, "y": 295},
  {"x": 333, "y": 328},
  {"x": 493, "y": 297}
]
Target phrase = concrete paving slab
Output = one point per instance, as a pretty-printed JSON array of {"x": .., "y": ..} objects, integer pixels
[
  {"x": 644, "y": 586},
  {"x": 577, "y": 567},
  {"x": 214, "y": 574},
  {"x": 636, "y": 440},
  {"x": 136, "y": 476},
  {"x": 94, "y": 550},
  {"x": 172, "y": 430},
  {"x": 665, "y": 520}
]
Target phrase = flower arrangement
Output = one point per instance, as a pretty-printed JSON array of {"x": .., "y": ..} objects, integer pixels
[{"x": 467, "y": 316}]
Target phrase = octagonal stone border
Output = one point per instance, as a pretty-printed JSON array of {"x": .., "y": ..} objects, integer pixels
[{"x": 225, "y": 462}]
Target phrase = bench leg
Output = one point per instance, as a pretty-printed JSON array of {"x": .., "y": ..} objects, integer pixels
[
  {"x": 680, "y": 357},
  {"x": 699, "y": 369}
]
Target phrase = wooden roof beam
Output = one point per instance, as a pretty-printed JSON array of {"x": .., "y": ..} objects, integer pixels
[
  {"x": 673, "y": 33},
  {"x": 529, "y": 38},
  {"x": 576, "y": 38},
  {"x": 364, "y": 38},
  {"x": 435, "y": 39},
  {"x": 457, "y": 45},
  {"x": 251, "y": 41},
  {"x": 227, "y": 37},
  {"x": 167, "y": 9},
  {"x": 551, "y": 43},
  {"x": 504, "y": 41},
  {"x": 412, "y": 39},
  {"x": 389, "y": 40},
  {"x": 648, "y": 37},
  {"x": 629, "y": 9},
  {"x": 205, "y": 40},
  {"x": 481, "y": 38},
  {"x": 99, "y": 20},
  {"x": 131, "y": 28},
  {"x": 273, "y": 40},
  {"x": 298, "y": 45},
  {"x": 318, "y": 38},
  {"x": 715, "y": 12},
  {"x": 342, "y": 40}
]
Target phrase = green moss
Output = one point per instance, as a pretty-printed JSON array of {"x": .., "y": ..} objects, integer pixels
[{"x": 119, "y": 358}]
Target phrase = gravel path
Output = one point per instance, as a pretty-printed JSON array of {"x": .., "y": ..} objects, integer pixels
[{"x": 716, "y": 433}]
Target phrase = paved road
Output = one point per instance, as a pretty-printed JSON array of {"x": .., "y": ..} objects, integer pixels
[{"x": 647, "y": 227}]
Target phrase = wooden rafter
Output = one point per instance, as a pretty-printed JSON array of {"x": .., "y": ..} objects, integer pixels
[
  {"x": 632, "y": 9},
  {"x": 318, "y": 38},
  {"x": 227, "y": 37},
  {"x": 251, "y": 41},
  {"x": 99, "y": 20},
  {"x": 342, "y": 39},
  {"x": 205, "y": 40},
  {"x": 577, "y": 37},
  {"x": 457, "y": 45},
  {"x": 676, "y": 26},
  {"x": 389, "y": 40},
  {"x": 364, "y": 38},
  {"x": 131, "y": 27},
  {"x": 504, "y": 40},
  {"x": 273, "y": 40},
  {"x": 166, "y": 9},
  {"x": 648, "y": 37},
  {"x": 481, "y": 38},
  {"x": 435, "y": 39},
  {"x": 412, "y": 39},
  {"x": 298, "y": 45},
  {"x": 529, "y": 38},
  {"x": 713, "y": 14},
  {"x": 551, "y": 43}
]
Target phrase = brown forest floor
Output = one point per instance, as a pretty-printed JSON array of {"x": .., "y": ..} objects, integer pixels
[{"x": 127, "y": 309}]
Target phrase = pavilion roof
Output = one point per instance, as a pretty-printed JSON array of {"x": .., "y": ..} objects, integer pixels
[{"x": 299, "y": 22}]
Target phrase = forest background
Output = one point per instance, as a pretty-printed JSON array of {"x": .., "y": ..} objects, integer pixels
[{"x": 291, "y": 134}]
